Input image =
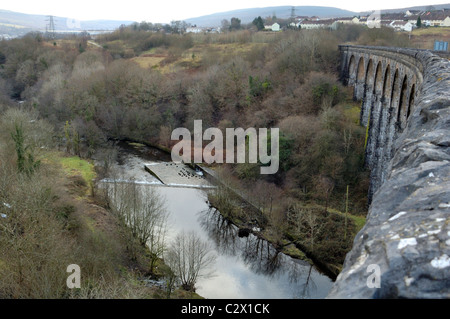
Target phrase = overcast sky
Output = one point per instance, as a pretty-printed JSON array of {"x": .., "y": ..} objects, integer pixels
[{"x": 168, "y": 10}]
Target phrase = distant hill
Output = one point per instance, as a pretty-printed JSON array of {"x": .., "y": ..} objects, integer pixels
[
  {"x": 17, "y": 23},
  {"x": 421, "y": 8},
  {"x": 247, "y": 15}
]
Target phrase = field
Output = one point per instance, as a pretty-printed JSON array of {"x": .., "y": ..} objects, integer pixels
[
  {"x": 148, "y": 61},
  {"x": 424, "y": 38},
  {"x": 167, "y": 61}
]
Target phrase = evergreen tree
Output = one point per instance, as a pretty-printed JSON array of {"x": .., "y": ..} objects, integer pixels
[
  {"x": 25, "y": 159},
  {"x": 419, "y": 22},
  {"x": 259, "y": 23},
  {"x": 235, "y": 24}
]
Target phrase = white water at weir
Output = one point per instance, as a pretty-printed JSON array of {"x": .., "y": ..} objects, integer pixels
[{"x": 246, "y": 267}]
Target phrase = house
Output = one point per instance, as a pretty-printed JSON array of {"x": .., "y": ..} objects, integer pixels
[
  {"x": 446, "y": 22},
  {"x": 215, "y": 30},
  {"x": 194, "y": 30},
  {"x": 273, "y": 27},
  {"x": 408, "y": 27},
  {"x": 349, "y": 20},
  {"x": 438, "y": 18},
  {"x": 319, "y": 24},
  {"x": 309, "y": 24},
  {"x": 301, "y": 18},
  {"x": 401, "y": 25},
  {"x": 363, "y": 20}
]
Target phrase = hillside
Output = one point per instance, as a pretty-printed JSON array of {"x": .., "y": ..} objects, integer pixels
[
  {"x": 247, "y": 15},
  {"x": 420, "y": 8}
]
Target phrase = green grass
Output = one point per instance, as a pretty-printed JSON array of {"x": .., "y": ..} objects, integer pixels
[
  {"x": 72, "y": 166},
  {"x": 148, "y": 62},
  {"x": 294, "y": 252},
  {"x": 75, "y": 166},
  {"x": 352, "y": 111},
  {"x": 90, "y": 223},
  {"x": 424, "y": 38},
  {"x": 432, "y": 31},
  {"x": 136, "y": 145},
  {"x": 358, "y": 220}
]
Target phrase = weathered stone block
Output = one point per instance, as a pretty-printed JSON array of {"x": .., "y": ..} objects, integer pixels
[{"x": 407, "y": 234}]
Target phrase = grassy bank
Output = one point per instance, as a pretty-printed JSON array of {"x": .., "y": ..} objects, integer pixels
[{"x": 64, "y": 221}]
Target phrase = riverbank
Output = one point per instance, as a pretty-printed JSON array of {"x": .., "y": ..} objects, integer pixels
[
  {"x": 247, "y": 262},
  {"x": 286, "y": 244},
  {"x": 91, "y": 221},
  {"x": 285, "y": 238},
  {"x": 249, "y": 219}
]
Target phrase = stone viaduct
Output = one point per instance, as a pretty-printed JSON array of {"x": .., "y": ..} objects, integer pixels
[{"x": 405, "y": 106}]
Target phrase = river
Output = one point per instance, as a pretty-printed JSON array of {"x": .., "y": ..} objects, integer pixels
[{"x": 246, "y": 267}]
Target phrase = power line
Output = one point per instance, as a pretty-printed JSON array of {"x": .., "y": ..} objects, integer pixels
[
  {"x": 50, "y": 27},
  {"x": 293, "y": 13}
]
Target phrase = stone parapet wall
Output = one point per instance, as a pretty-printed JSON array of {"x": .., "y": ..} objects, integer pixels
[{"x": 407, "y": 235}]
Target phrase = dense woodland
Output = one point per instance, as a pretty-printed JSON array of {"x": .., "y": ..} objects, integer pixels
[{"x": 83, "y": 96}]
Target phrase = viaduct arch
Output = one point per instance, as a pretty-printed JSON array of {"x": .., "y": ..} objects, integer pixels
[
  {"x": 385, "y": 82},
  {"x": 405, "y": 105}
]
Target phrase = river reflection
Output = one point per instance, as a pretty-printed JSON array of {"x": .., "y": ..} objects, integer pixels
[
  {"x": 258, "y": 255},
  {"x": 246, "y": 267}
]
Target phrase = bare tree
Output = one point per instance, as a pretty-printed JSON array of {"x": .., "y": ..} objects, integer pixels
[
  {"x": 149, "y": 222},
  {"x": 225, "y": 24},
  {"x": 308, "y": 222},
  {"x": 143, "y": 210},
  {"x": 190, "y": 257},
  {"x": 324, "y": 187},
  {"x": 348, "y": 140}
]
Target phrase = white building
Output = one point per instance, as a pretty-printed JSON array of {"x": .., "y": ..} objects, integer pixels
[
  {"x": 401, "y": 25},
  {"x": 349, "y": 20},
  {"x": 308, "y": 24},
  {"x": 319, "y": 24},
  {"x": 446, "y": 22},
  {"x": 273, "y": 27},
  {"x": 194, "y": 30}
]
